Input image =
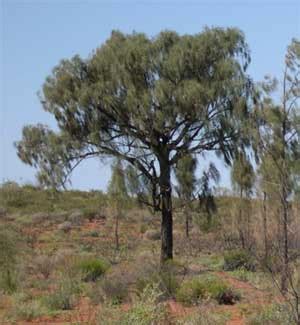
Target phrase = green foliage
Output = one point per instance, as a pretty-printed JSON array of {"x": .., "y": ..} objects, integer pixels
[
  {"x": 33, "y": 200},
  {"x": 191, "y": 292},
  {"x": 92, "y": 268},
  {"x": 207, "y": 287},
  {"x": 204, "y": 317},
  {"x": 8, "y": 259},
  {"x": 185, "y": 175},
  {"x": 242, "y": 173},
  {"x": 272, "y": 315},
  {"x": 147, "y": 310},
  {"x": 117, "y": 186},
  {"x": 237, "y": 259},
  {"x": 24, "y": 308}
]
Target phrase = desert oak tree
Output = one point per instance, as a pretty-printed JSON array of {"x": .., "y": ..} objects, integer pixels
[{"x": 149, "y": 102}]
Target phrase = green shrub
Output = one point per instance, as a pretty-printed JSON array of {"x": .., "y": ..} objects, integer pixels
[
  {"x": 143, "y": 228},
  {"x": 90, "y": 214},
  {"x": 150, "y": 273},
  {"x": 272, "y": 315},
  {"x": 190, "y": 292},
  {"x": 8, "y": 259},
  {"x": 93, "y": 233},
  {"x": 147, "y": 310},
  {"x": 93, "y": 268},
  {"x": 237, "y": 259},
  {"x": 211, "y": 287},
  {"x": 204, "y": 317},
  {"x": 27, "y": 311}
]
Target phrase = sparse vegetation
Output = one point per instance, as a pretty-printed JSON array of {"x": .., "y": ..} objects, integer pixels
[{"x": 142, "y": 253}]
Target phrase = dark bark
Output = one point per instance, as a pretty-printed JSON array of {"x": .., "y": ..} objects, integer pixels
[{"x": 166, "y": 210}]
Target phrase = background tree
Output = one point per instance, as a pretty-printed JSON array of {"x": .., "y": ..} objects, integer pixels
[
  {"x": 151, "y": 101},
  {"x": 118, "y": 196},
  {"x": 185, "y": 175},
  {"x": 207, "y": 204},
  {"x": 243, "y": 178},
  {"x": 279, "y": 144}
]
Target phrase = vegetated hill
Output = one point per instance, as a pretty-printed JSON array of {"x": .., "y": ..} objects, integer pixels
[{"x": 59, "y": 263}]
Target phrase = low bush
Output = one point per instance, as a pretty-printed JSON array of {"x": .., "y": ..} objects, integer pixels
[
  {"x": 194, "y": 290},
  {"x": 39, "y": 217},
  {"x": 143, "y": 228},
  {"x": 152, "y": 234},
  {"x": 9, "y": 239},
  {"x": 64, "y": 297},
  {"x": 237, "y": 259},
  {"x": 190, "y": 292},
  {"x": 44, "y": 265},
  {"x": 147, "y": 310},
  {"x": 272, "y": 315},
  {"x": 92, "y": 268},
  {"x": 66, "y": 227},
  {"x": 24, "y": 308},
  {"x": 204, "y": 317},
  {"x": 115, "y": 289},
  {"x": 76, "y": 218},
  {"x": 26, "y": 311}
]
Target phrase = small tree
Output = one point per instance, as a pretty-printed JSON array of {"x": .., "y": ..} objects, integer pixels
[
  {"x": 207, "y": 204},
  {"x": 118, "y": 196},
  {"x": 279, "y": 144},
  {"x": 242, "y": 178},
  {"x": 149, "y": 102},
  {"x": 185, "y": 175}
]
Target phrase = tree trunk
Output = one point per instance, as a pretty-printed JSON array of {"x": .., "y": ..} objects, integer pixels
[
  {"x": 285, "y": 271},
  {"x": 265, "y": 225},
  {"x": 187, "y": 219},
  {"x": 241, "y": 223},
  {"x": 117, "y": 231},
  {"x": 166, "y": 212}
]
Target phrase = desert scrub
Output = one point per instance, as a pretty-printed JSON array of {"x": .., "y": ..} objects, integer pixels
[
  {"x": 211, "y": 262},
  {"x": 9, "y": 244},
  {"x": 147, "y": 310},
  {"x": 44, "y": 265},
  {"x": 115, "y": 286},
  {"x": 236, "y": 259},
  {"x": 65, "y": 295},
  {"x": 190, "y": 292},
  {"x": 24, "y": 308},
  {"x": 167, "y": 277},
  {"x": 92, "y": 268},
  {"x": 193, "y": 291},
  {"x": 272, "y": 315},
  {"x": 205, "y": 317}
]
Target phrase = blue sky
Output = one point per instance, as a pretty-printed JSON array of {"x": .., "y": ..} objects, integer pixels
[{"x": 35, "y": 35}]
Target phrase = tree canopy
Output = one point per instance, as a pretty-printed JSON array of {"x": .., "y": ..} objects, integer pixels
[{"x": 149, "y": 102}]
